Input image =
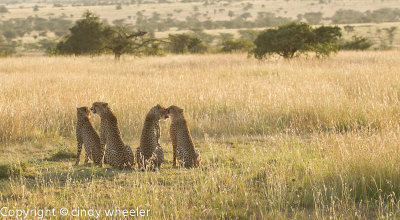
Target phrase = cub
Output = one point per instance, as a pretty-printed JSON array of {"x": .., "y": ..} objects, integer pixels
[
  {"x": 149, "y": 154},
  {"x": 86, "y": 135},
  {"x": 183, "y": 148},
  {"x": 117, "y": 154}
]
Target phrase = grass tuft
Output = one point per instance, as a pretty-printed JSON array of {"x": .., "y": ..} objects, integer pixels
[{"x": 8, "y": 170}]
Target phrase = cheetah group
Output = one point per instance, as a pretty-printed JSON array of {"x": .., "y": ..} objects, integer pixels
[{"x": 109, "y": 148}]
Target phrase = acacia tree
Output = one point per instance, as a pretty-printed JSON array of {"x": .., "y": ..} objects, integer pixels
[
  {"x": 122, "y": 40},
  {"x": 91, "y": 36},
  {"x": 297, "y": 38}
]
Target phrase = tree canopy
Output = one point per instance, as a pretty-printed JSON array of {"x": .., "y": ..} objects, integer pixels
[
  {"x": 293, "y": 39},
  {"x": 91, "y": 36}
]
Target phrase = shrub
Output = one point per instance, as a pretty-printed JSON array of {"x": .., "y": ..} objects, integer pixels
[
  {"x": 153, "y": 49},
  {"x": 349, "y": 17},
  {"x": 3, "y": 9},
  {"x": 182, "y": 43},
  {"x": 357, "y": 43},
  {"x": 7, "y": 48},
  {"x": 232, "y": 45},
  {"x": 196, "y": 45},
  {"x": 313, "y": 17}
]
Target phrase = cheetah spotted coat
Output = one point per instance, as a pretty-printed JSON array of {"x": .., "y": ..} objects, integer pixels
[
  {"x": 86, "y": 135},
  {"x": 149, "y": 154},
  {"x": 183, "y": 148},
  {"x": 116, "y": 154}
]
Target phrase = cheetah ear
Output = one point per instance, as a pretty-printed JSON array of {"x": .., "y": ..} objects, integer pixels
[
  {"x": 158, "y": 106},
  {"x": 181, "y": 110},
  {"x": 105, "y": 104}
]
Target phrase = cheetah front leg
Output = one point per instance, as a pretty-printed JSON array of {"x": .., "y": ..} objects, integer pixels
[
  {"x": 174, "y": 159},
  {"x": 78, "y": 154},
  {"x": 172, "y": 133},
  {"x": 174, "y": 146},
  {"x": 103, "y": 147},
  {"x": 86, "y": 157},
  {"x": 140, "y": 158}
]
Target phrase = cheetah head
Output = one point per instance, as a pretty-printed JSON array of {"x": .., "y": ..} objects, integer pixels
[
  {"x": 99, "y": 107},
  {"x": 174, "y": 111},
  {"x": 159, "y": 112},
  {"x": 83, "y": 112}
]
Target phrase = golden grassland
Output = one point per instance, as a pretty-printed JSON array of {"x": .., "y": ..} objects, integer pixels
[
  {"x": 279, "y": 138},
  {"x": 280, "y": 7}
]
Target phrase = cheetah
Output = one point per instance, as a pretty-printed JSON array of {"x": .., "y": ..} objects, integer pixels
[
  {"x": 86, "y": 135},
  {"x": 182, "y": 144},
  {"x": 116, "y": 154},
  {"x": 109, "y": 152},
  {"x": 149, "y": 154}
]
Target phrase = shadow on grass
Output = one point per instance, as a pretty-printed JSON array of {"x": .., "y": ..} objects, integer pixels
[
  {"x": 62, "y": 154},
  {"x": 79, "y": 174}
]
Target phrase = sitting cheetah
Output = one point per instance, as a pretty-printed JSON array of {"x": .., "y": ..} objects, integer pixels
[
  {"x": 110, "y": 151},
  {"x": 182, "y": 143},
  {"x": 116, "y": 154},
  {"x": 86, "y": 135},
  {"x": 149, "y": 154}
]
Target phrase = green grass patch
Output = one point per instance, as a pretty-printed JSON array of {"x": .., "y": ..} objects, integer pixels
[{"x": 8, "y": 170}]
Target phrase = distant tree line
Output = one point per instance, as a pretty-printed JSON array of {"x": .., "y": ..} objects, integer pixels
[
  {"x": 348, "y": 16},
  {"x": 12, "y": 30},
  {"x": 18, "y": 27},
  {"x": 263, "y": 19},
  {"x": 91, "y": 35}
]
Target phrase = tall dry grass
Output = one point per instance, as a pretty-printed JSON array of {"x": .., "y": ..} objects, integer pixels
[
  {"x": 221, "y": 94},
  {"x": 303, "y": 138}
]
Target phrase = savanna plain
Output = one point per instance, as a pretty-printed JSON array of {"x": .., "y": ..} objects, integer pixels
[{"x": 300, "y": 138}]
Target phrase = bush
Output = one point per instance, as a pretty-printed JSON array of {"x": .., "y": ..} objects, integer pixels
[
  {"x": 357, "y": 43},
  {"x": 7, "y": 48},
  {"x": 183, "y": 43},
  {"x": 232, "y": 45},
  {"x": 313, "y": 18},
  {"x": 349, "y": 17},
  {"x": 153, "y": 49},
  {"x": 250, "y": 35},
  {"x": 296, "y": 38},
  {"x": 196, "y": 45},
  {"x": 8, "y": 170},
  {"x": 3, "y": 9}
]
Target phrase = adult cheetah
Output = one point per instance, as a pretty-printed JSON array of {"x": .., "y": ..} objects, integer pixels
[
  {"x": 109, "y": 152},
  {"x": 116, "y": 153},
  {"x": 182, "y": 144},
  {"x": 149, "y": 154},
  {"x": 86, "y": 135}
]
